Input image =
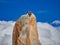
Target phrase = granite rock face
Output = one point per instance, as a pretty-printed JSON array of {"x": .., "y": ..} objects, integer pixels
[{"x": 25, "y": 31}]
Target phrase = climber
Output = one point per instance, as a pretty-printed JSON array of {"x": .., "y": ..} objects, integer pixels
[{"x": 29, "y": 13}]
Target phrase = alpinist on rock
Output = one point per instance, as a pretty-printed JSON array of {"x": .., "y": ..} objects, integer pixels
[{"x": 25, "y": 31}]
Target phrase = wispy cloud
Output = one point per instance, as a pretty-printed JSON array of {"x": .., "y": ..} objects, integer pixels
[
  {"x": 56, "y": 22},
  {"x": 42, "y": 11}
]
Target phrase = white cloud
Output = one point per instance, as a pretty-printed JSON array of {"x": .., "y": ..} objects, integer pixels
[
  {"x": 6, "y": 28},
  {"x": 48, "y": 34},
  {"x": 56, "y": 22}
]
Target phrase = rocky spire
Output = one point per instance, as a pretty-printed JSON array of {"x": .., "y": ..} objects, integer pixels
[{"x": 25, "y": 31}]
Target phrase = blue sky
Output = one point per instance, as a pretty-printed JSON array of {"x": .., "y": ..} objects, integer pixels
[{"x": 45, "y": 10}]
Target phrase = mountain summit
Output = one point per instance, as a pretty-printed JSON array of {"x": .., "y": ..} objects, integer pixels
[{"x": 25, "y": 31}]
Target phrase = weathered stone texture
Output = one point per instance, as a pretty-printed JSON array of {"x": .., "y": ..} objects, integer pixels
[{"x": 25, "y": 31}]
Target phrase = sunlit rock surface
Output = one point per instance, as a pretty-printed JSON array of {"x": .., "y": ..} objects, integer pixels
[{"x": 25, "y": 31}]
